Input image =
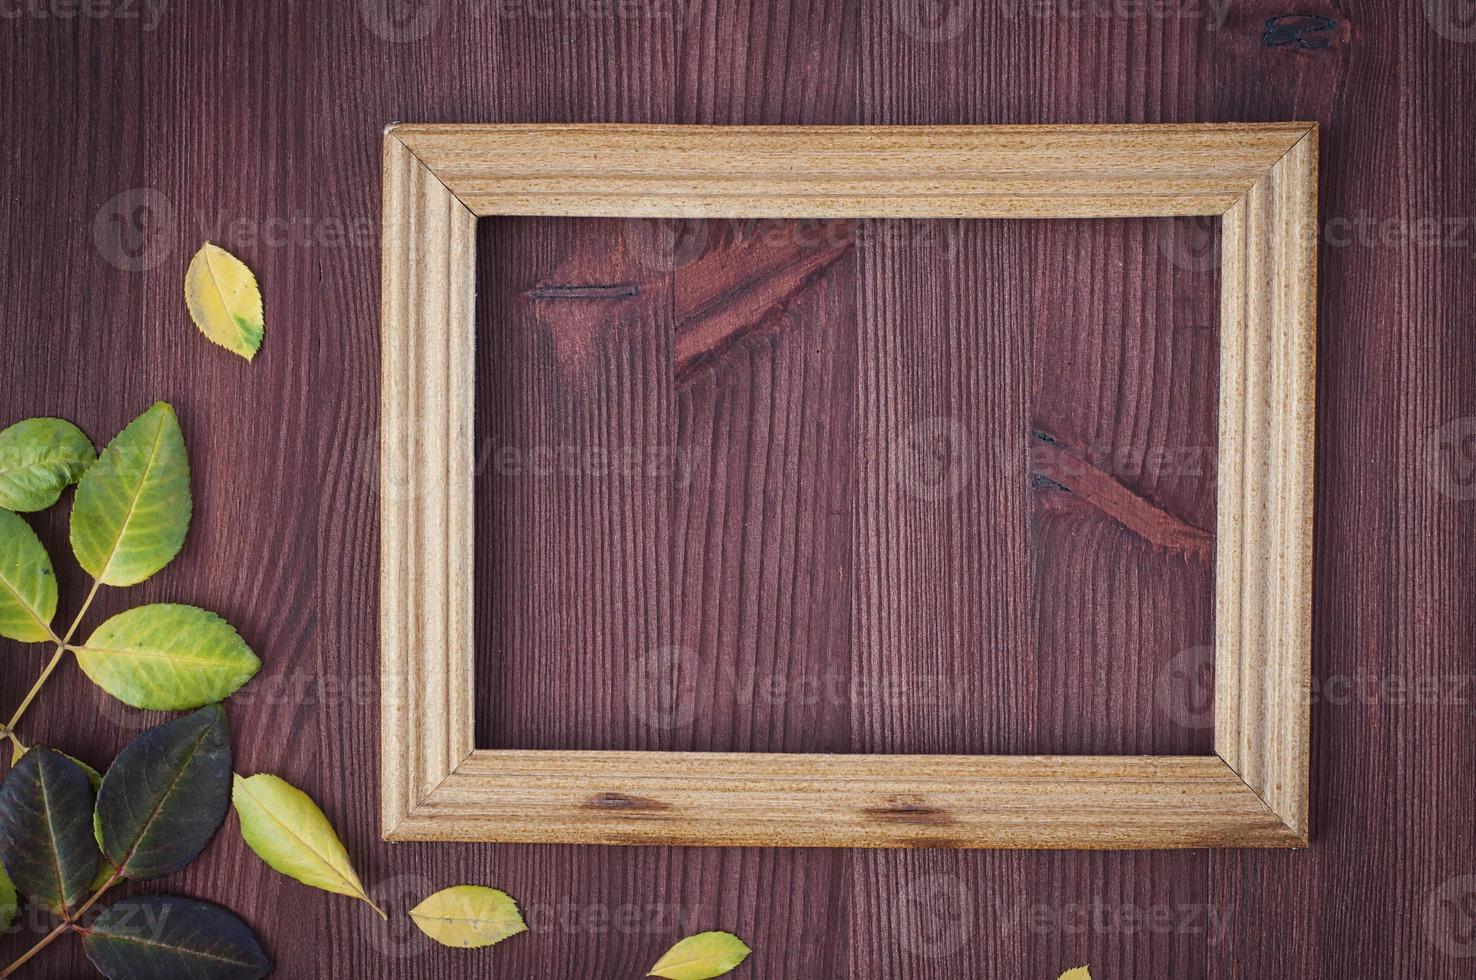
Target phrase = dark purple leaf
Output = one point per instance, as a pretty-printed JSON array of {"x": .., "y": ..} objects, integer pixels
[
  {"x": 46, "y": 829},
  {"x": 166, "y": 794},
  {"x": 154, "y": 936}
]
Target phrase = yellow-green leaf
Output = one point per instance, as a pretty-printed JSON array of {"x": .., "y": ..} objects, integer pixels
[
  {"x": 707, "y": 954},
  {"x": 27, "y": 582},
  {"x": 133, "y": 505},
  {"x": 286, "y": 829},
  {"x": 1076, "y": 973},
  {"x": 7, "y": 900},
  {"x": 469, "y": 916},
  {"x": 224, "y": 300},
  {"x": 39, "y": 458},
  {"x": 167, "y": 657}
]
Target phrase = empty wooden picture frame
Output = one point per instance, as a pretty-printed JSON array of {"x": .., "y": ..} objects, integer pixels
[{"x": 1261, "y": 179}]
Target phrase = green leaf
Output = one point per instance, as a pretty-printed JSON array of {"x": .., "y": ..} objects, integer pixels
[
  {"x": 166, "y": 793},
  {"x": 104, "y": 869},
  {"x": 288, "y": 831},
  {"x": 707, "y": 954},
  {"x": 167, "y": 936},
  {"x": 167, "y": 657},
  {"x": 8, "y": 901},
  {"x": 45, "y": 829},
  {"x": 27, "y": 582},
  {"x": 224, "y": 300},
  {"x": 1076, "y": 973},
  {"x": 468, "y": 916},
  {"x": 133, "y": 505},
  {"x": 39, "y": 458}
]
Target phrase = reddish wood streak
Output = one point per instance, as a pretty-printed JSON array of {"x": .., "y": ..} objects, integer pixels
[
  {"x": 736, "y": 300},
  {"x": 1090, "y": 485}
]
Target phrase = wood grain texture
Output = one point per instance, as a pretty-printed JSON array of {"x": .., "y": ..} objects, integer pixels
[
  {"x": 1121, "y": 447},
  {"x": 427, "y": 458},
  {"x": 1263, "y": 581},
  {"x": 575, "y": 471},
  {"x": 850, "y": 171},
  {"x": 942, "y": 579},
  {"x": 762, "y": 551},
  {"x": 285, "y": 537},
  {"x": 847, "y": 801}
]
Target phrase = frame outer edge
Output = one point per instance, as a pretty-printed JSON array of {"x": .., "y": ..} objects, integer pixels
[{"x": 411, "y": 735}]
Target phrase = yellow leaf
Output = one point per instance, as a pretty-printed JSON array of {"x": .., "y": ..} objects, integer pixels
[
  {"x": 224, "y": 300},
  {"x": 1076, "y": 973},
  {"x": 707, "y": 954},
  {"x": 286, "y": 829},
  {"x": 468, "y": 916}
]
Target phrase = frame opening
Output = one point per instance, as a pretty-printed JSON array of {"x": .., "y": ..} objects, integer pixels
[{"x": 846, "y": 485}]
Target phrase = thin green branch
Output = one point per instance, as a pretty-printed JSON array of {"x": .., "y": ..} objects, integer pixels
[
  {"x": 61, "y": 650},
  {"x": 25, "y": 957},
  {"x": 68, "y": 925}
]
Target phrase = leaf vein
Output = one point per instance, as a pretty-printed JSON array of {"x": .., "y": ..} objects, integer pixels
[{"x": 137, "y": 495}]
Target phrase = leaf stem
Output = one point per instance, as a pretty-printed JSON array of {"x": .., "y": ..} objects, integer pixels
[
  {"x": 69, "y": 924},
  {"x": 51, "y": 666},
  {"x": 25, "y": 957},
  {"x": 56, "y": 658},
  {"x": 116, "y": 877}
]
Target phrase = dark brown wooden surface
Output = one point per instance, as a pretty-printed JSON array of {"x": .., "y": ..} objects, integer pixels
[{"x": 785, "y": 383}]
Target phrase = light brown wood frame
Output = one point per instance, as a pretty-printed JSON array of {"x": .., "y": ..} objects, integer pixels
[{"x": 1261, "y": 179}]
